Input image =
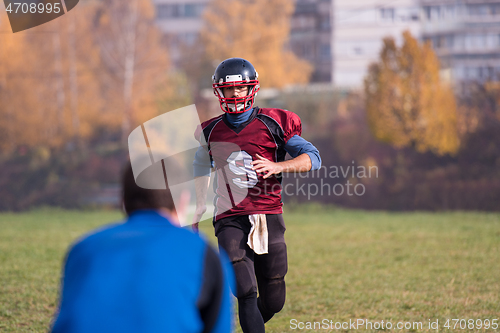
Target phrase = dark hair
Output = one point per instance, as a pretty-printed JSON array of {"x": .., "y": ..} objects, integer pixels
[{"x": 136, "y": 198}]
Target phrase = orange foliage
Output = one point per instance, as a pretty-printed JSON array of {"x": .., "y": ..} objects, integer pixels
[
  {"x": 134, "y": 60},
  {"x": 62, "y": 81},
  {"x": 493, "y": 88},
  {"x": 256, "y": 30},
  {"x": 406, "y": 101}
]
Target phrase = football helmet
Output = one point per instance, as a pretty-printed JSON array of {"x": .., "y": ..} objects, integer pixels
[{"x": 235, "y": 72}]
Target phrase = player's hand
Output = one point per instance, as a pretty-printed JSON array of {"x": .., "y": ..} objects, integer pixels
[
  {"x": 263, "y": 165},
  {"x": 198, "y": 213}
]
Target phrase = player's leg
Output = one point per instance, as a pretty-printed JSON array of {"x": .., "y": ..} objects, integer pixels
[
  {"x": 271, "y": 269},
  {"x": 232, "y": 235}
]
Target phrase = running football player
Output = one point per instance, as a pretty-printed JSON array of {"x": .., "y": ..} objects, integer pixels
[{"x": 247, "y": 146}]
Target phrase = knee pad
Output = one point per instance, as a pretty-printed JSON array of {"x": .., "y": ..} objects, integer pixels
[
  {"x": 274, "y": 265},
  {"x": 245, "y": 277},
  {"x": 272, "y": 294}
]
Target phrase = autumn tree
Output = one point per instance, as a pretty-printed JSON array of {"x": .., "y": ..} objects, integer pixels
[
  {"x": 102, "y": 66},
  {"x": 32, "y": 94},
  {"x": 12, "y": 50},
  {"x": 485, "y": 95},
  {"x": 134, "y": 61},
  {"x": 256, "y": 30},
  {"x": 49, "y": 91},
  {"x": 407, "y": 103}
]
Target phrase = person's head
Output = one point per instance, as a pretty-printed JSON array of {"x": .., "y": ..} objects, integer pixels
[
  {"x": 235, "y": 83},
  {"x": 136, "y": 198}
]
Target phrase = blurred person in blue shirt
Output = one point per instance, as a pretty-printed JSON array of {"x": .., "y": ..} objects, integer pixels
[{"x": 145, "y": 274}]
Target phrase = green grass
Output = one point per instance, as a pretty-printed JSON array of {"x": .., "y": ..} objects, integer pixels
[
  {"x": 342, "y": 265},
  {"x": 32, "y": 248}
]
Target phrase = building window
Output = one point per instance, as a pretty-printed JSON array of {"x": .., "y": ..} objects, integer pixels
[
  {"x": 436, "y": 42},
  {"x": 450, "y": 41},
  {"x": 432, "y": 12},
  {"x": 307, "y": 51},
  {"x": 478, "y": 10},
  {"x": 387, "y": 14},
  {"x": 435, "y": 12},
  {"x": 178, "y": 10},
  {"x": 303, "y": 23},
  {"x": 325, "y": 51},
  {"x": 193, "y": 9},
  {"x": 305, "y": 8},
  {"x": 324, "y": 23},
  {"x": 427, "y": 10},
  {"x": 167, "y": 10},
  {"x": 496, "y": 8},
  {"x": 483, "y": 9},
  {"x": 444, "y": 41},
  {"x": 471, "y": 73},
  {"x": 459, "y": 42},
  {"x": 449, "y": 11},
  {"x": 188, "y": 38}
]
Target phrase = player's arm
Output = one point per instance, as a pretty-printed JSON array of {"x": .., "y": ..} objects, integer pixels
[
  {"x": 201, "y": 186},
  {"x": 202, "y": 165},
  {"x": 301, "y": 163},
  {"x": 305, "y": 158}
]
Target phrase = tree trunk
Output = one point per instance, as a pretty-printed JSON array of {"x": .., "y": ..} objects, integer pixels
[
  {"x": 128, "y": 82},
  {"x": 60, "y": 97},
  {"x": 73, "y": 82}
]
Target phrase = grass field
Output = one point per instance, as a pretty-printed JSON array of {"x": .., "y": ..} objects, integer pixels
[{"x": 343, "y": 265}]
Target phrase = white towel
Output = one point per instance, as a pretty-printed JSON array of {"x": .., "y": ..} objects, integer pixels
[{"x": 258, "y": 238}]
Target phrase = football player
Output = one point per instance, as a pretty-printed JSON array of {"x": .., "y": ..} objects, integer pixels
[{"x": 247, "y": 146}]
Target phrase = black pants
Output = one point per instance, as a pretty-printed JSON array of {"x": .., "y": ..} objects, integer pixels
[{"x": 263, "y": 273}]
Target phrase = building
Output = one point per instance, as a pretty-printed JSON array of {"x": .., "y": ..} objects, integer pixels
[
  {"x": 465, "y": 35},
  {"x": 311, "y": 34},
  {"x": 342, "y": 37},
  {"x": 181, "y": 22},
  {"x": 358, "y": 30}
]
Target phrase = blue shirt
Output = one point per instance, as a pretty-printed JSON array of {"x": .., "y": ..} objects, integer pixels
[{"x": 145, "y": 275}]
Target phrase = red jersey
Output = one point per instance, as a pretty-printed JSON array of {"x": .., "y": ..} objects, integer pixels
[{"x": 239, "y": 189}]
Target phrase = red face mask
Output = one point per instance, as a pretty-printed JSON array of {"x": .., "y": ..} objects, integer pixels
[{"x": 236, "y": 104}]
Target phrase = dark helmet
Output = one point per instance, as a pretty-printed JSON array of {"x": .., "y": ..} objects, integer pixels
[{"x": 235, "y": 72}]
